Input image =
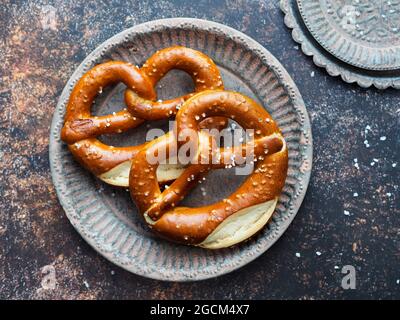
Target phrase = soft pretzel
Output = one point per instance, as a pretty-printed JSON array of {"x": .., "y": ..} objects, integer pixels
[
  {"x": 112, "y": 164},
  {"x": 233, "y": 219}
]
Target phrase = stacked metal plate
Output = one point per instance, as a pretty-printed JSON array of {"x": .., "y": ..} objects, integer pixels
[{"x": 356, "y": 39}]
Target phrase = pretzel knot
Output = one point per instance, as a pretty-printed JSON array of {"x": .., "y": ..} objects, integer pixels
[
  {"x": 112, "y": 164},
  {"x": 241, "y": 214}
]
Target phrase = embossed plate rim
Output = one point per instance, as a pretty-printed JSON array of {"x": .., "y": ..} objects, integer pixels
[
  {"x": 346, "y": 58},
  {"x": 258, "y": 246},
  {"x": 322, "y": 58}
]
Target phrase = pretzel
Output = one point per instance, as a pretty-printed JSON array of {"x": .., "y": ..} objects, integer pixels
[
  {"x": 112, "y": 164},
  {"x": 241, "y": 214}
]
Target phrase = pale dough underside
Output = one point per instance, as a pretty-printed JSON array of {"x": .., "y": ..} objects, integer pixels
[
  {"x": 119, "y": 175},
  {"x": 240, "y": 226}
]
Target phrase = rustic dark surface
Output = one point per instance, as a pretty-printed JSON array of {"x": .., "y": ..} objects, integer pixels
[{"x": 42, "y": 42}]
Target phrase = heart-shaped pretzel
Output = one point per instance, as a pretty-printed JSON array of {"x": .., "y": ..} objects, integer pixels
[
  {"x": 112, "y": 164},
  {"x": 233, "y": 219}
]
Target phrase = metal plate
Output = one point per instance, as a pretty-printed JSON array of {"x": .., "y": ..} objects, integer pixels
[
  {"x": 365, "y": 34},
  {"x": 381, "y": 79},
  {"x": 107, "y": 218}
]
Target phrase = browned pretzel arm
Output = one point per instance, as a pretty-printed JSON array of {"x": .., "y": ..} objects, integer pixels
[{"x": 94, "y": 126}]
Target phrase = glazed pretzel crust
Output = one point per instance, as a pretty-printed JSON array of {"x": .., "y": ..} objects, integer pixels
[
  {"x": 195, "y": 225},
  {"x": 81, "y": 128}
]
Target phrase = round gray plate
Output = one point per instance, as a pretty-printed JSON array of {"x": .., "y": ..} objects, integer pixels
[
  {"x": 339, "y": 64},
  {"x": 107, "y": 218}
]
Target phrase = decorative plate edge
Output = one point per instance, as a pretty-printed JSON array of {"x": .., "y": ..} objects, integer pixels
[{"x": 320, "y": 60}]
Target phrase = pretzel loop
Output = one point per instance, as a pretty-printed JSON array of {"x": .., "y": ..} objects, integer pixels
[
  {"x": 80, "y": 124},
  {"x": 201, "y": 68},
  {"x": 211, "y": 226}
]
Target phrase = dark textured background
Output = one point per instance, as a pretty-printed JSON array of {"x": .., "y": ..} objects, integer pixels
[{"x": 42, "y": 42}]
